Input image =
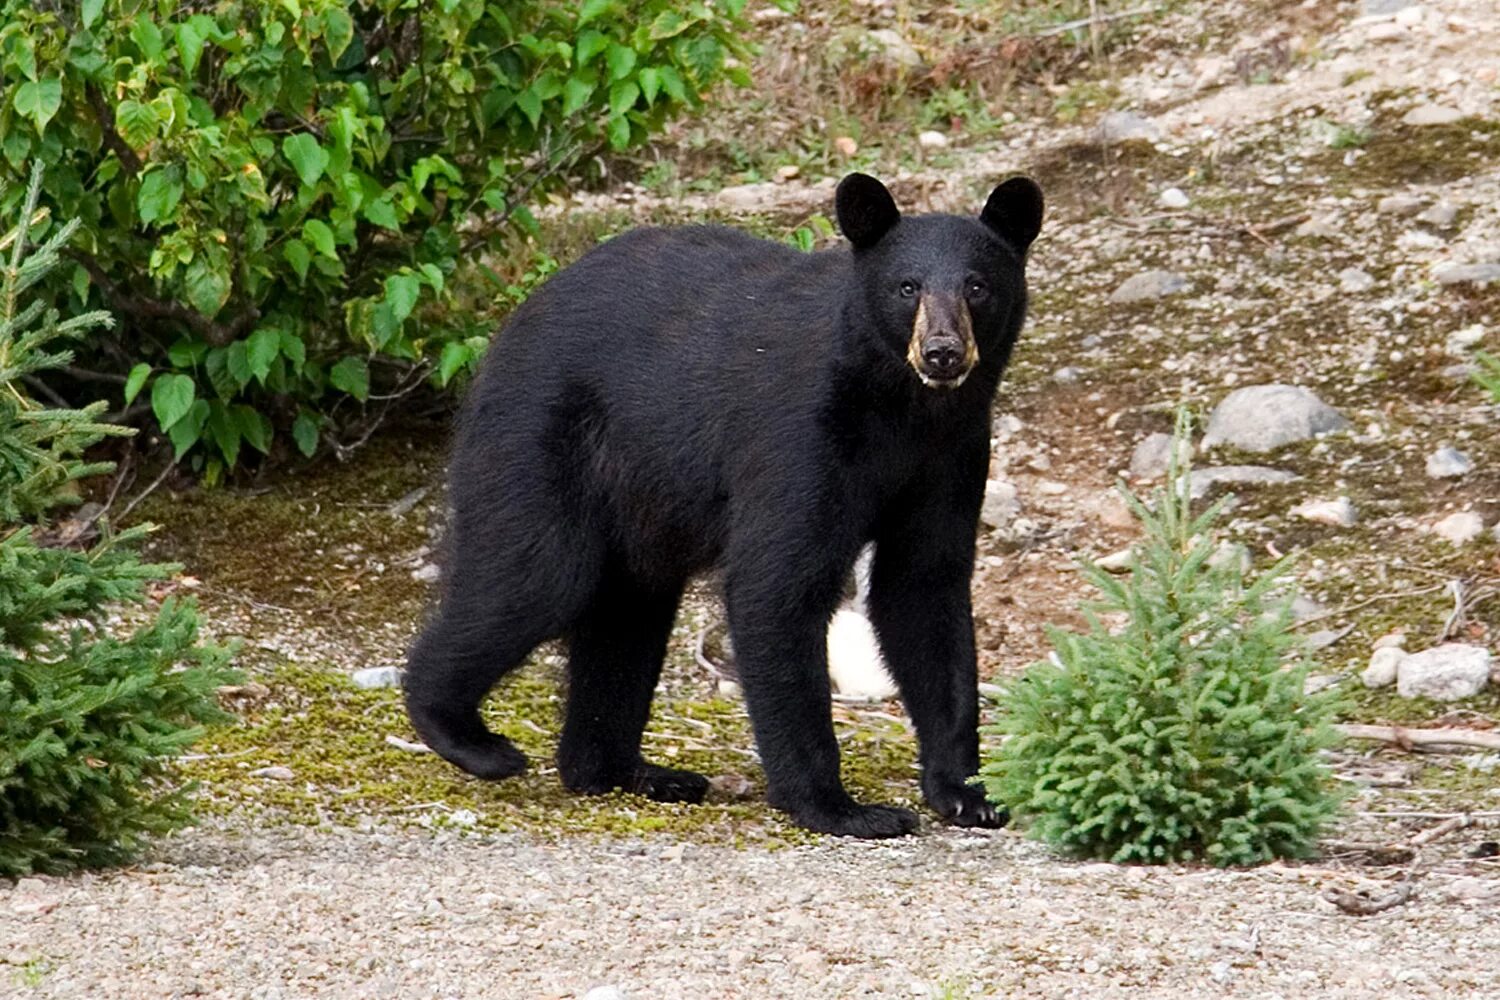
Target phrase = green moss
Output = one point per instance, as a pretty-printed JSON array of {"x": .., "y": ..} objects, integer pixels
[
  {"x": 1394, "y": 153},
  {"x": 333, "y": 738}
]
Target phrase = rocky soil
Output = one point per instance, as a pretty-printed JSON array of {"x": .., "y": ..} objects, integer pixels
[{"x": 1273, "y": 194}]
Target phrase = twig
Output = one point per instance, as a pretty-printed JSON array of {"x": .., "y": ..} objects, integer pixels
[
  {"x": 1392, "y": 595},
  {"x": 1409, "y": 814},
  {"x": 1456, "y": 616},
  {"x": 1444, "y": 828},
  {"x": 1364, "y": 906},
  {"x": 1406, "y": 739},
  {"x": 147, "y": 491},
  {"x": 1085, "y": 22}
]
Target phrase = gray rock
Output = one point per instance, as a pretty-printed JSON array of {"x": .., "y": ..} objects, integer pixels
[
  {"x": 1400, "y": 204},
  {"x": 427, "y": 573},
  {"x": 1384, "y": 8},
  {"x": 1352, "y": 279},
  {"x": 275, "y": 773},
  {"x": 1174, "y": 197},
  {"x": 1263, "y": 417},
  {"x": 1149, "y": 285},
  {"x": 1448, "y": 672},
  {"x": 1454, "y": 274},
  {"x": 377, "y": 677},
  {"x": 1448, "y": 462},
  {"x": 604, "y": 993},
  {"x": 1203, "y": 480},
  {"x": 932, "y": 139},
  {"x": 1000, "y": 504},
  {"x": 1120, "y": 126},
  {"x": 1153, "y": 455},
  {"x": 1072, "y": 373},
  {"x": 1339, "y": 513},
  {"x": 1442, "y": 215},
  {"x": 1384, "y": 664},
  {"x": 1432, "y": 114},
  {"x": 894, "y": 46},
  {"x": 1461, "y": 528}
]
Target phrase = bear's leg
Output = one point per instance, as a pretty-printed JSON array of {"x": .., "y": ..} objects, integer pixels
[
  {"x": 780, "y": 630},
  {"x": 615, "y": 654},
  {"x": 920, "y": 607}
]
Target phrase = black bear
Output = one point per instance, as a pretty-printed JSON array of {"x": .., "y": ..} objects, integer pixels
[{"x": 692, "y": 397}]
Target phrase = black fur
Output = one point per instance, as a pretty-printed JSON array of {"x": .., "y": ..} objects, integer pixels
[{"x": 686, "y": 398}]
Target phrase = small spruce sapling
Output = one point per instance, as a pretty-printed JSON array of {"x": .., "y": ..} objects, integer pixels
[{"x": 1186, "y": 734}]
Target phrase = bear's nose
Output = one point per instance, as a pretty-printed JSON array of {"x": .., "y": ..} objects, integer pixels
[{"x": 943, "y": 357}]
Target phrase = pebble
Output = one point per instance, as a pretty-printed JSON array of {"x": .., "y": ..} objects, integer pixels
[
  {"x": 1443, "y": 214},
  {"x": 372, "y": 678},
  {"x": 1432, "y": 114},
  {"x": 1448, "y": 462},
  {"x": 1174, "y": 197},
  {"x": 1448, "y": 672},
  {"x": 1400, "y": 204},
  {"x": 275, "y": 773},
  {"x": 1352, "y": 279},
  {"x": 1205, "y": 479},
  {"x": 427, "y": 573},
  {"x": 1149, "y": 285},
  {"x": 1120, "y": 126},
  {"x": 893, "y": 44},
  {"x": 846, "y": 145},
  {"x": 1449, "y": 273},
  {"x": 605, "y": 993},
  {"x": 1117, "y": 562},
  {"x": 1461, "y": 528},
  {"x": 1461, "y": 341},
  {"x": 932, "y": 140},
  {"x": 1067, "y": 375},
  {"x": 1000, "y": 504},
  {"x": 1340, "y": 512},
  {"x": 1383, "y": 666},
  {"x": 1263, "y": 417},
  {"x": 1153, "y": 454}
]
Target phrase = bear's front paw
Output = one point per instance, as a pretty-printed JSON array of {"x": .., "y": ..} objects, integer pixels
[
  {"x": 965, "y": 805},
  {"x": 851, "y": 819}
]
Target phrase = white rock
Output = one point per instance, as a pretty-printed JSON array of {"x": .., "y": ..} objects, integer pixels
[
  {"x": 1153, "y": 455},
  {"x": 1263, "y": 417},
  {"x": 1448, "y": 672},
  {"x": 748, "y": 197},
  {"x": 605, "y": 993},
  {"x": 1149, "y": 285},
  {"x": 1340, "y": 512},
  {"x": 1231, "y": 553},
  {"x": 427, "y": 573},
  {"x": 893, "y": 44},
  {"x": 1400, "y": 204},
  {"x": 1121, "y": 126},
  {"x": 1386, "y": 32},
  {"x": 1396, "y": 640},
  {"x": 1000, "y": 504},
  {"x": 1352, "y": 279},
  {"x": 377, "y": 677},
  {"x": 1450, "y": 273},
  {"x": 855, "y": 663},
  {"x": 1383, "y": 667},
  {"x": 1442, "y": 215},
  {"x": 1432, "y": 114},
  {"x": 1117, "y": 562},
  {"x": 1461, "y": 341},
  {"x": 1461, "y": 528},
  {"x": 932, "y": 140},
  {"x": 1174, "y": 197},
  {"x": 275, "y": 773},
  {"x": 1448, "y": 462},
  {"x": 1205, "y": 479}
]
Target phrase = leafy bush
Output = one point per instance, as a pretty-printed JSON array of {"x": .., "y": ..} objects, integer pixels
[
  {"x": 279, "y": 198},
  {"x": 90, "y": 714},
  {"x": 1187, "y": 735}
]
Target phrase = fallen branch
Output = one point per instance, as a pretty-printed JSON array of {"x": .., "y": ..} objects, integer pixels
[
  {"x": 1407, "y": 739},
  {"x": 1085, "y": 22},
  {"x": 1361, "y": 905},
  {"x": 1444, "y": 828}
]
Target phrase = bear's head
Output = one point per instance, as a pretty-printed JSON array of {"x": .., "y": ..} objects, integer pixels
[{"x": 944, "y": 292}]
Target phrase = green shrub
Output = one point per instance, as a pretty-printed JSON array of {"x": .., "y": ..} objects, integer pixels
[
  {"x": 1184, "y": 736},
  {"x": 1487, "y": 374},
  {"x": 90, "y": 712},
  {"x": 278, "y": 198}
]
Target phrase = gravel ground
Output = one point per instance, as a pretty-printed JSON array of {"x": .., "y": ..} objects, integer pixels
[{"x": 292, "y": 913}]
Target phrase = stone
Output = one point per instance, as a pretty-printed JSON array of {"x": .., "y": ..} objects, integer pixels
[
  {"x": 1153, "y": 454},
  {"x": 1068, "y": 374},
  {"x": 1174, "y": 197},
  {"x": 1384, "y": 664},
  {"x": 1385, "y": 32},
  {"x": 1443, "y": 214},
  {"x": 1461, "y": 528},
  {"x": 1352, "y": 279},
  {"x": 274, "y": 773},
  {"x": 932, "y": 140},
  {"x": 605, "y": 993},
  {"x": 1149, "y": 285},
  {"x": 846, "y": 145},
  {"x": 1000, "y": 504},
  {"x": 1450, "y": 273},
  {"x": 1339, "y": 513},
  {"x": 1432, "y": 114},
  {"x": 1400, "y": 204},
  {"x": 1203, "y": 480},
  {"x": 428, "y": 572},
  {"x": 1383, "y": 8},
  {"x": 1117, "y": 562},
  {"x": 894, "y": 46},
  {"x": 1448, "y": 672},
  {"x": 1121, "y": 126},
  {"x": 372, "y": 678},
  {"x": 1448, "y": 462},
  {"x": 747, "y": 197},
  {"x": 855, "y": 663},
  {"x": 1263, "y": 417},
  {"x": 1463, "y": 340}
]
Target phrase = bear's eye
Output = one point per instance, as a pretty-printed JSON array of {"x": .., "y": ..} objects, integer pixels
[
  {"x": 976, "y": 289},
  {"x": 908, "y": 289}
]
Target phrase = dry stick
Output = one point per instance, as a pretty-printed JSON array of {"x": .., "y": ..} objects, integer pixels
[
  {"x": 1392, "y": 595},
  {"x": 1444, "y": 828},
  {"x": 1364, "y": 906},
  {"x": 1409, "y": 738},
  {"x": 1084, "y": 22}
]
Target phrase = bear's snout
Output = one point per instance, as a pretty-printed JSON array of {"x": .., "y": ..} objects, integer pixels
[{"x": 942, "y": 350}]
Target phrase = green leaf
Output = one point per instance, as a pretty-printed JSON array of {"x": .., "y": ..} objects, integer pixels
[
  {"x": 225, "y": 431},
  {"x": 261, "y": 349},
  {"x": 305, "y": 433},
  {"x": 622, "y": 97},
  {"x": 186, "y": 353},
  {"x": 207, "y": 285},
  {"x": 576, "y": 94},
  {"x": 671, "y": 82},
  {"x": 619, "y": 133},
  {"x": 317, "y": 231},
  {"x": 254, "y": 427},
  {"x": 293, "y": 349},
  {"x": 136, "y": 122},
  {"x": 171, "y": 398},
  {"x": 353, "y": 376},
  {"x": 190, "y": 38},
  {"x": 38, "y": 100},
  {"x": 434, "y": 276},
  {"x": 147, "y": 38},
  {"x": 590, "y": 44},
  {"x": 593, "y": 9},
  {"x": 237, "y": 361},
  {"x": 382, "y": 213},
  {"x": 456, "y": 355},
  {"x": 307, "y": 157},
  {"x": 90, "y": 12},
  {"x": 186, "y": 432},
  {"x": 161, "y": 190},
  {"x": 338, "y": 31},
  {"x": 297, "y": 255},
  {"x": 650, "y": 81},
  {"x": 530, "y": 105},
  {"x": 670, "y": 23},
  {"x": 621, "y": 60},
  {"x": 136, "y": 381},
  {"x": 401, "y": 293}
]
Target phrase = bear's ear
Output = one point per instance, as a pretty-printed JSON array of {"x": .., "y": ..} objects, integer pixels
[
  {"x": 1014, "y": 212},
  {"x": 865, "y": 209}
]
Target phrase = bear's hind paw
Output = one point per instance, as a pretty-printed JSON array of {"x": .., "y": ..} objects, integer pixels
[{"x": 667, "y": 784}]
